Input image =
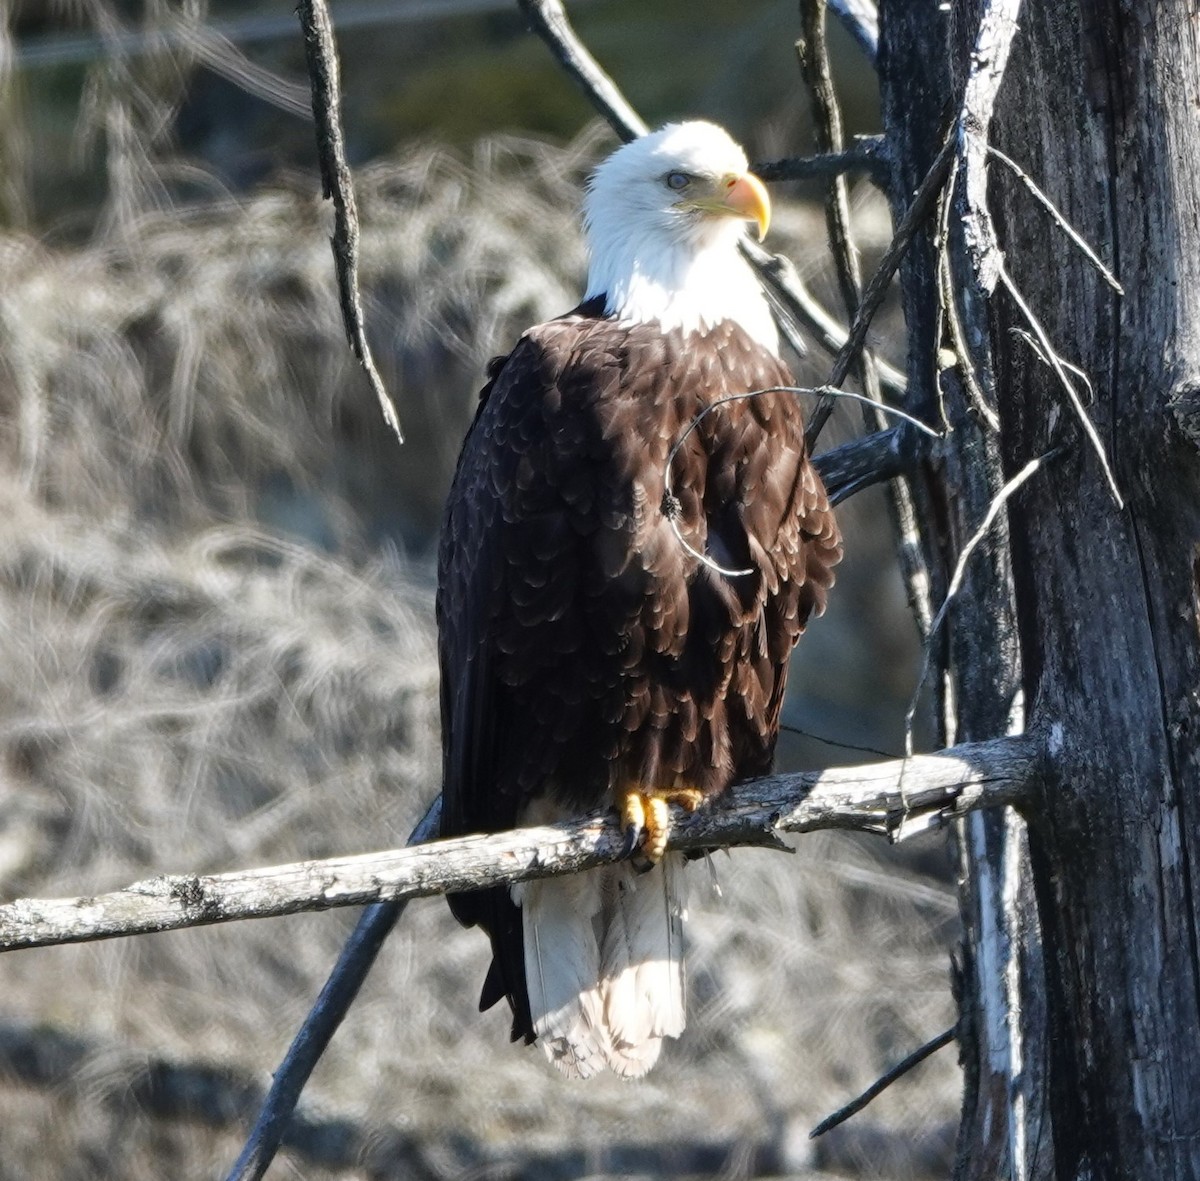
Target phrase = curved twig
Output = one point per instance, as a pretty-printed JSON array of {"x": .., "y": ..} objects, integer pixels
[{"x": 336, "y": 181}]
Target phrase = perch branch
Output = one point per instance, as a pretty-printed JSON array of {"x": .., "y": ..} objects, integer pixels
[
  {"x": 330, "y": 1009},
  {"x": 336, "y": 182},
  {"x": 867, "y": 799}
]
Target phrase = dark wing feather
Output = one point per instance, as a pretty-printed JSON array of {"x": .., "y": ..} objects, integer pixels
[{"x": 582, "y": 647}]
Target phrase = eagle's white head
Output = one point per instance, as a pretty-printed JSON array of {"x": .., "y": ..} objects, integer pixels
[{"x": 664, "y": 216}]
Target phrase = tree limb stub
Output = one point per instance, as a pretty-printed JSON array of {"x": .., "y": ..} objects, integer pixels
[{"x": 879, "y": 797}]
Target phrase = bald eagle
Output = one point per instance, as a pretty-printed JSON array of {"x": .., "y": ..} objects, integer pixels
[{"x": 588, "y": 656}]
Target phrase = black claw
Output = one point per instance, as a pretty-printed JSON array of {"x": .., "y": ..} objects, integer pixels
[{"x": 633, "y": 839}]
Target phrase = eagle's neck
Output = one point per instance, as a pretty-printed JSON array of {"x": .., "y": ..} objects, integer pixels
[{"x": 679, "y": 284}]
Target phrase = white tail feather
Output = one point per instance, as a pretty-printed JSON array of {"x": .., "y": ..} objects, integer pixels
[
  {"x": 562, "y": 966},
  {"x": 641, "y": 964},
  {"x": 604, "y": 966}
]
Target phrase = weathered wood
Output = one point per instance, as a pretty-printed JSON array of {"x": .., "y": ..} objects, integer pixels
[
  {"x": 1102, "y": 112},
  {"x": 880, "y": 797},
  {"x": 925, "y": 67}
]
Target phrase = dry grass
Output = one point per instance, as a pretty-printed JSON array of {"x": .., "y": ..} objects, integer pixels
[{"x": 218, "y": 651}]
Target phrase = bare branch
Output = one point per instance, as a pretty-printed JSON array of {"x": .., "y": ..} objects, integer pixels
[
  {"x": 548, "y": 19},
  {"x": 814, "y": 64},
  {"x": 322, "y": 1022},
  {"x": 867, "y": 154},
  {"x": 960, "y": 570},
  {"x": 866, "y": 799},
  {"x": 1052, "y": 209},
  {"x": 337, "y": 184},
  {"x": 862, "y": 463},
  {"x": 1051, "y": 357},
  {"x": 923, "y": 204},
  {"x": 964, "y": 359},
  {"x": 785, "y": 285},
  {"x": 860, "y": 18},
  {"x": 882, "y": 1083}
]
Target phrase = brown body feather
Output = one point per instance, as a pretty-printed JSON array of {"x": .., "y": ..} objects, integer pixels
[{"x": 583, "y": 649}]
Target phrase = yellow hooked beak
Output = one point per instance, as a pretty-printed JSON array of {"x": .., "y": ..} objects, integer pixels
[{"x": 742, "y": 196}]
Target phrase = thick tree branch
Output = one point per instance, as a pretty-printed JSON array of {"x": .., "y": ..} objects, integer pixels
[
  {"x": 867, "y": 154},
  {"x": 878, "y": 797}
]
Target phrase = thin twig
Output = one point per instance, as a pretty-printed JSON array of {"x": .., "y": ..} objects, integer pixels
[
  {"x": 960, "y": 569},
  {"x": 813, "y": 54},
  {"x": 922, "y": 206},
  {"x": 1064, "y": 225},
  {"x": 964, "y": 360},
  {"x": 337, "y": 184},
  {"x": 1052, "y": 358},
  {"x": 860, "y": 18},
  {"x": 862, "y": 799},
  {"x": 784, "y": 284},
  {"x": 1073, "y": 370},
  {"x": 881, "y": 1084},
  {"x": 322, "y": 1022},
  {"x": 548, "y": 19}
]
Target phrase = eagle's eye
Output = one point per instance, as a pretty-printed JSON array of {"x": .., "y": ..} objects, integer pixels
[{"x": 678, "y": 181}]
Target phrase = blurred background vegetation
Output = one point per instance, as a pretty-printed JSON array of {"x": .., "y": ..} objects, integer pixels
[{"x": 216, "y": 575}]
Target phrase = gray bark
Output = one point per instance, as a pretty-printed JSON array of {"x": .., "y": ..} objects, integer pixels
[
  {"x": 1107, "y": 601},
  {"x": 899, "y": 797},
  {"x": 1099, "y": 105}
]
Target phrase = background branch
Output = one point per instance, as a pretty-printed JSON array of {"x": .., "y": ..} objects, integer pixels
[
  {"x": 548, "y": 19},
  {"x": 337, "y": 184},
  {"x": 312, "y": 1039},
  {"x": 860, "y": 18},
  {"x": 877, "y": 797}
]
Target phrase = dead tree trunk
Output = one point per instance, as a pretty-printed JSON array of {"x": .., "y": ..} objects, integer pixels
[{"x": 1101, "y": 106}]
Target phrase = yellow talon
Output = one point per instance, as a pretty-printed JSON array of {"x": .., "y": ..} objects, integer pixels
[
  {"x": 646, "y": 818},
  {"x": 658, "y": 828},
  {"x": 633, "y": 813}
]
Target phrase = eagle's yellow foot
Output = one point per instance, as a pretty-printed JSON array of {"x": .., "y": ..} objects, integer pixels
[{"x": 646, "y": 819}]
